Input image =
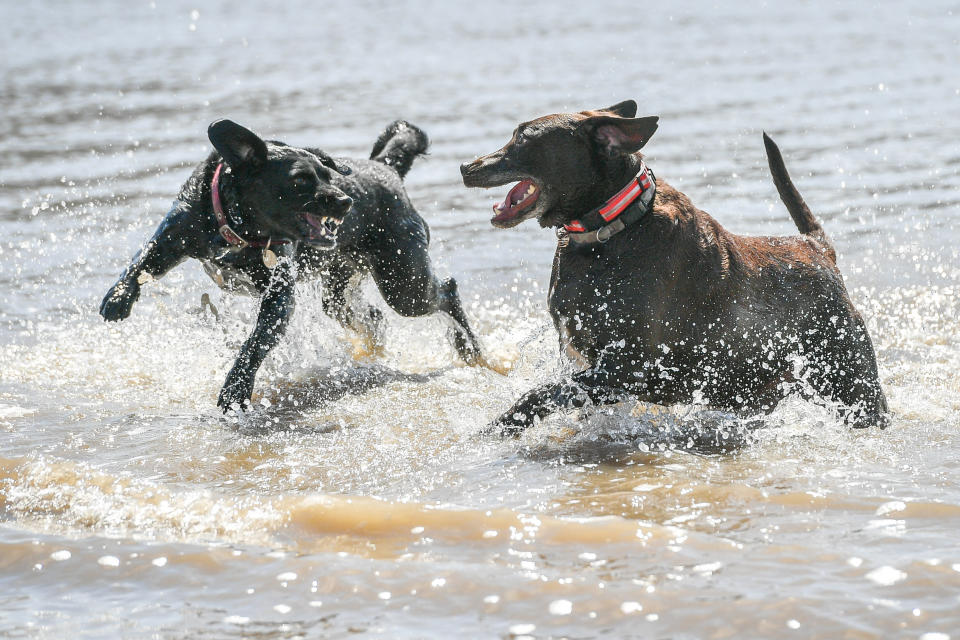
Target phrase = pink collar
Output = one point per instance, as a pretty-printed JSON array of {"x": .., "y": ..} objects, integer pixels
[{"x": 228, "y": 234}]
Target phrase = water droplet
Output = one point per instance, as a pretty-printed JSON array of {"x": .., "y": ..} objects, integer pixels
[
  {"x": 561, "y": 607},
  {"x": 287, "y": 576},
  {"x": 708, "y": 568},
  {"x": 60, "y": 555},
  {"x": 891, "y": 507},
  {"x": 159, "y": 562},
  {"x": 631, "y": 606},
  {"x": 109, "y": 561},
  {"x": 886, "y": 576}
]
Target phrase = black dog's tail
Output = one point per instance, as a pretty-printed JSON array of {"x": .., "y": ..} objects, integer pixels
[
  {"x": 399, "y": 144},
  {"x": 798, "y": 209}
]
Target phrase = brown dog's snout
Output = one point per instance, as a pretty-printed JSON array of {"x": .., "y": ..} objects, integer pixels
[
  {"x": 482, "y": 170},
  {"x": 467, "y": 167}
]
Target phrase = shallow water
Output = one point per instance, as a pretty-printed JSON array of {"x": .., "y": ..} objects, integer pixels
[{"x": 358, "y": 499}]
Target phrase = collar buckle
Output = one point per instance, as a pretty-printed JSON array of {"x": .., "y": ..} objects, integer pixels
[
  {"x": 233, "y": 238},
  {"x": 605, "y": 233}
]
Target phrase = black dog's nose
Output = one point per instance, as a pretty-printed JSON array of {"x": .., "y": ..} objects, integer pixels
[{"x": 344, "y": 202}]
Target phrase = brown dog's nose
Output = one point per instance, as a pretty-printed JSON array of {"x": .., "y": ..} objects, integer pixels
[{"x": 465, "y": 167}]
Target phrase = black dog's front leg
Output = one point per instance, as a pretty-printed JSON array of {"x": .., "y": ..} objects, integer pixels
[
  {"x": 575, "y": 391},
  {"x": 173, "y": 241},
  {"x": 276, "y": 309}
]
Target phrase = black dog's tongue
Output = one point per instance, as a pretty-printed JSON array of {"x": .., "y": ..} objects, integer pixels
[{"x": 520, "y": 197}]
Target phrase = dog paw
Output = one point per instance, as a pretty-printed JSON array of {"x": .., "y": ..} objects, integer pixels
[
  {"x": 868, "y": 420},
  {"x": 119, "y": 301},
  {"x": 469, "y": 351},
  {"x": 509, "y": 425},
  {"x": 235, "y": 394}
]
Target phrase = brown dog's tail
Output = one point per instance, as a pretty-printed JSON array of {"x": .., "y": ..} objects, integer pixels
[
  {"x": 798, "y": 209},
  {"x": 399, "y": 144}
]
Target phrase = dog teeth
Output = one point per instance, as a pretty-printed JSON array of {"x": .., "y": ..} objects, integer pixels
[{"x": 531, "y": 189}]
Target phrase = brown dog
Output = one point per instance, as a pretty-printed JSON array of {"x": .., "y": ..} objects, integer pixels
[{"x": 658, "y": 300}]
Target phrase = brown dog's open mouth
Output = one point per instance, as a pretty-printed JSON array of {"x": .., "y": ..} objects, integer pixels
[
  {"x": 322, "y": 230},
  {"x": 521, "y": 197}
]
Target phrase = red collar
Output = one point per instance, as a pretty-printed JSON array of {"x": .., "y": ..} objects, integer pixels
[
  {"x": 228, "y": 234},
  {"x": 607, "y": 213}
]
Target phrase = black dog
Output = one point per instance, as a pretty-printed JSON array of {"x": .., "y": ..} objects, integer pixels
[
  {"x": 658, "y": 300},
  {"x": 259, "y": 214}
]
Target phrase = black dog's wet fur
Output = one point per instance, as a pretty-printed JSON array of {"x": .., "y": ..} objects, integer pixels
[
  {"x": 265, "y": 191},
  {"x": 676, "y": 309}
]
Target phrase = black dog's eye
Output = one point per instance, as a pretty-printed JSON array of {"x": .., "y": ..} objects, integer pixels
[{"x": 301, "y": 182}]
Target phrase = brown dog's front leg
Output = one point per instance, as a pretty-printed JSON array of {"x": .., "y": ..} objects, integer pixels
[
  {"x": 590, "y": 385},
  {"x": 276, "y": 309}
]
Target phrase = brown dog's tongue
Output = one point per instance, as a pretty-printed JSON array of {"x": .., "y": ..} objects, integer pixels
[{"x": 516, "y": 195}]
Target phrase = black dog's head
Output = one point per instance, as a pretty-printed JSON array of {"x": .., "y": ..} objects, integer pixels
[
  {"x": 285, "y": 190},
  {"x": 567, "y": 164}
]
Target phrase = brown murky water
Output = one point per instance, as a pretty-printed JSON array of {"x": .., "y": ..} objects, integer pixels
[{"x": 357, "y": 500}]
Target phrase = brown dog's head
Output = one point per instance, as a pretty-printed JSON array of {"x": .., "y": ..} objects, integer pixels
[{"x": 567, "y": 164}]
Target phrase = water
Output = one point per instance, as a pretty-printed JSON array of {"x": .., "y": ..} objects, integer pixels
[{"x": 357, "y": 499}]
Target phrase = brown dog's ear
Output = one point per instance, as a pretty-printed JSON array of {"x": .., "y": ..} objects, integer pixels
[
  {"x": 240, "y": 147},
  {"x": 616, "y": 135},
  {"x": 330, "y": 163},
  {"x": 625, "y": 109}
]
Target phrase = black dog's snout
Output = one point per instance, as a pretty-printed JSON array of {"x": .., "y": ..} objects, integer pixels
[{"x": 336, "y": 200}]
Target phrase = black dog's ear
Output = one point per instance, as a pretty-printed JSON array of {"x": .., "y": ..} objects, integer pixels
[
  {"x": 240, "y": 147},
  {"x": 620, "y": 135},
  {"x": 330, "y": 163},
  {"x": 625, "y": 109}
]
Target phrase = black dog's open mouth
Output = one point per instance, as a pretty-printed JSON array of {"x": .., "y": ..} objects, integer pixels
[
  {"x": 322, "y": 230},
  {"x": 521, "y": 197}
]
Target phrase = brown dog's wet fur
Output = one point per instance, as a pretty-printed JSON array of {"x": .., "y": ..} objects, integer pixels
[{"x": 675, "y": 308}]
